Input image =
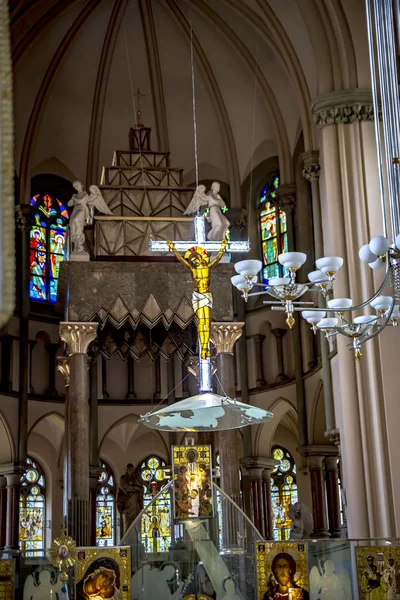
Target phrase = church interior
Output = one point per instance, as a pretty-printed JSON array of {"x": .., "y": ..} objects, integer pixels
[{"x": 199, "y": 298}]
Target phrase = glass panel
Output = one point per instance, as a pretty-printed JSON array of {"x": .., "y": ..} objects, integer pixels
[
  {"x": 32, "y": 511},
  {"x": 283, "y": 492},
  {"x": 48, "y": 245},
  {"x": 105, "y": 508}
]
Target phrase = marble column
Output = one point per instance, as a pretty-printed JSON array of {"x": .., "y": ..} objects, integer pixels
[
  {"x": 224, "y": 336},
  {"x": 258, "y": 341},
  {"x": 62, "y": 365},
  {"x": 24, "y": 217},
  {"x": 332, "y": 493},
  {"x": 6, "y": 353},
  {"x": 131, "y": 379},
  {"x": 13, "y": 476},
  {"x": 279, "y": 334},
  {"x": 78, "y": 336},
  {"x": 52, "y": 351},
  {"x": 94, "y": 468},
  {"x": 319, "y": 508},
  {"x": 3, "y": 510},
  {"x": 259, "y": 473}
]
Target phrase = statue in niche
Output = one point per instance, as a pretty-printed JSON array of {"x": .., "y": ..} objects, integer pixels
[
  {"x": 130, "y": 497},
  {"x": 82, "y": 214},
  {"x": 330, "y": 584},
  {"x": 215, "y": 204},
  {"x": 302, "y": 524}
]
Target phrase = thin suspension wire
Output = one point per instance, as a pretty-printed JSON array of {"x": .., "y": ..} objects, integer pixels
[
  {"x": 166, "y": 397},
  {"x": 133, "y": 102},
  {"x": 376, "y": 116},
  {"x": 196, "y": 161}
]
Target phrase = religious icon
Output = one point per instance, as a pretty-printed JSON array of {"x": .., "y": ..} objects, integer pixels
[
  {"x": 7, "y": 579},
  {"x": 378, "y": 570},
  {"x": 191, "y": 471},
  {"x": 282, "y": 571},
  {"x": 198, "y": 261},
  {"x": 103, "y": 573}
]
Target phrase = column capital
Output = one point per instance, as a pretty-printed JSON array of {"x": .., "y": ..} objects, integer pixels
[
  {"x": 316, "y": 462},
  {"x": 333, "y": 435},
  {"x": 225, "y": 334},
  {"x": 343, "y": 107},
  {"x": 311, "y": 172},
  {"x": 287, "y": 197},
  {"x": 62, "y": 365},
  {"x": 258, "y": 467},
  {"x": 278, "y": 332},
  {"x": 331, "y": 463},
  {"x": 13, "y": 468},
  {"x": 257, "y": 337},
  {"x": 318, "y": 450},
  {"x": 24, "y": 215},
  {"x": 78, "y": 335}
]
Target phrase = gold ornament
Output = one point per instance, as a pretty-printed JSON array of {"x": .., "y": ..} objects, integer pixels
[
  {"x": 63, "y": 553},
  {"x": 290, "y": 321}
]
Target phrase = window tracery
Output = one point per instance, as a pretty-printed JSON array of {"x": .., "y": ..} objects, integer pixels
[
  {"x": 274, "y": 238},
  {"x": 48, "y": 246},
  {"x": 105, "y": 507},
  {"x": 32, "y": 510},
  {"x": 283, "y": 491}
]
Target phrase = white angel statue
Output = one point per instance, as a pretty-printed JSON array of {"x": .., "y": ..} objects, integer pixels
[
  {"x": 42, "y": 585},
  {"x": 331, "y": 584},
  {"x": 213, "y": 201},
  {"x": 81, "y": 214},
  {"x": 302, "y": 524}
]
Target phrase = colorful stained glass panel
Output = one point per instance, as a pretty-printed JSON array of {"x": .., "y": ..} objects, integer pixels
[
  {"x": 105, "y": 507},
  {"x": 283, "y": 492}
]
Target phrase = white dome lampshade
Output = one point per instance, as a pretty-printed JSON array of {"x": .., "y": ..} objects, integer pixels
[
  {"x": 366, "y": 255},
  {"x": 329, "y": 264},
  {"x": 275, "y": 281},
  {"x": 379, "y": 245},
  {"x": 364, "y": 320},
  {"x": 382, "y": 303},
  {"x": 248, "y": 268},
  {"x": 340, "y": 303},
  {"x": 328, "y": 323},
  {"x": 313, "y": 316},
  {"x": 318, "y": 277},
  {"x": 241, "y": 283},
  {"x": 205, "y": 412},
  {"x": 292, "y": 260},
  {"x": 377, "y": 264}
]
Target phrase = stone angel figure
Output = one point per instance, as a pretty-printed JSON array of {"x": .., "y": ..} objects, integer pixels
[
  {"x": 213, "y": 201},
  {"x": 302, "y": 524},
  {"x": 327, "y": 583},
  {"x": 82, "y": 214},
  {"x": 43, "y": 584}
]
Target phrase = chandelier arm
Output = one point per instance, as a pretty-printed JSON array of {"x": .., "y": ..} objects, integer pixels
[
  {"x": 381, "y": 288},
  {"x": 381, "y": 328}
]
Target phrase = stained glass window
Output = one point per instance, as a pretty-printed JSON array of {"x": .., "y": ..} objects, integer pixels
[
  {"x": 48, "y": 246},
  {"x": 273, "y": 237},
  {"x": 283, "y": 492},
  {"x": 32, "y": 509},
  {"x": 156, "y": 521},
  {"x": 105, "y": 507}
]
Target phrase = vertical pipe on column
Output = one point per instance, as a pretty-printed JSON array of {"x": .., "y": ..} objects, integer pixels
[{"x": 3, "y": 511}]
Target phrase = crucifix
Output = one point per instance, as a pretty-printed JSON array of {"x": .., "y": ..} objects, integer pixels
[
  {"x": 197, "y": 260},
  {"x": 138, "y": 111}
]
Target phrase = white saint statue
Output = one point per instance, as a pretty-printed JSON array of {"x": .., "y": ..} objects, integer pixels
[
  {"x": 302, "y": 524},
  {"x": 82, "y": 215},
  {"x": 213, "y": 201}
]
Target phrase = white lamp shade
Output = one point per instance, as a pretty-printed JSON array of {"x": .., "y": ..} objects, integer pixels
[
  {"x": 382, "y": 303},
  {"x": 329, "y": 263},
  {"x": 397, "y": 242},
  {"x": 205, "y": 412},
  {"x": 395, "y": 312},
  {"x": 364, "y": 320},
  {"x": 274, "y": 281},
  {"x": 379, "y": 245},
  {"x": 313, "y": 316},
  {"x": 340, "y": 303},
  {"x": 248, "y": 267},
  {"x": 377, "y": 264},
  {"x": 328, "y": 323},
  {"x": 292, "y": 260},
  {"x": 366, "y": 255},
  {"x": 241, "y": 283},
  {"x": 317, "y": 277}
]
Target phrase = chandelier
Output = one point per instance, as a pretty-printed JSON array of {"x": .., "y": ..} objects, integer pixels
[{"x": 383, "y": 251}]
